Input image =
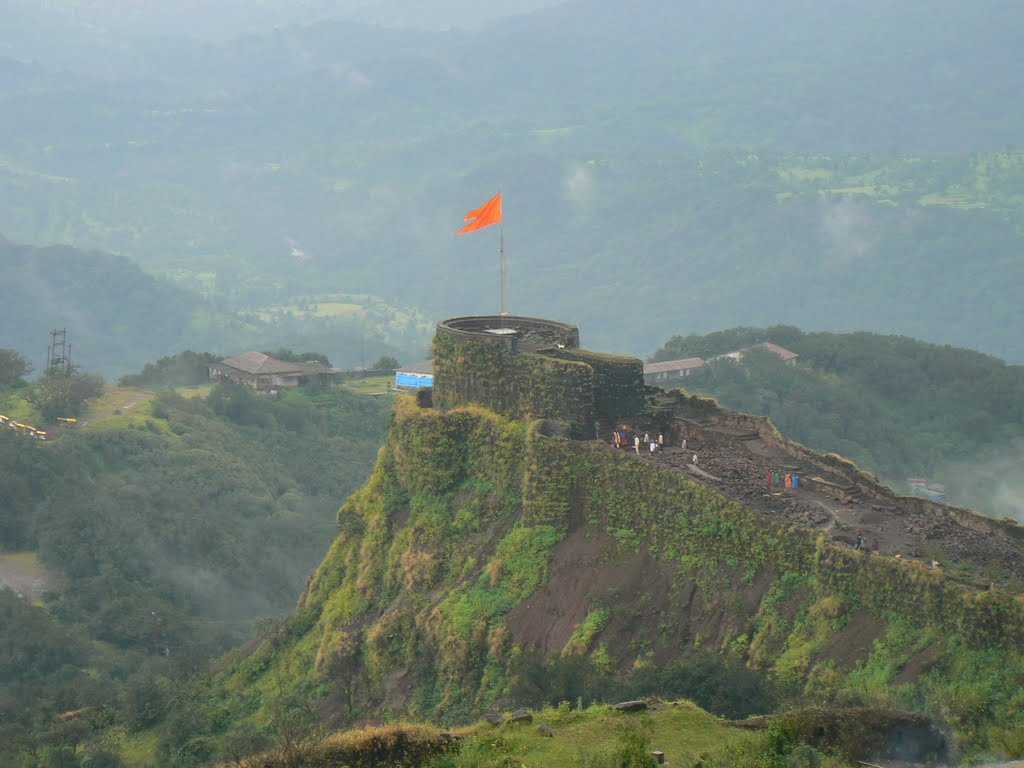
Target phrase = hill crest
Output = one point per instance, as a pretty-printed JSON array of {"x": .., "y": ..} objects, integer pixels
[{"x": 482, "y": 551}]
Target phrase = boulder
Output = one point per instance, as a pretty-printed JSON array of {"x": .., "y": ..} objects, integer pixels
[
  {"x": 521, "y": 716},
  {"x": 493, "y": 718},
  {"x": 638, "y": 705},
  {"x": 545, "y": 730}
]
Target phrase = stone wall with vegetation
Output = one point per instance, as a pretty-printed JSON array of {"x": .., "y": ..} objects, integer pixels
[
  {"x": 510, "y": 377},
  {"x": 414, "y": 609},
  {"x": 618, "y": 382}
]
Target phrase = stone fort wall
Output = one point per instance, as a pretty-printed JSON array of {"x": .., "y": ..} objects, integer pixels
[{"x": 525, "y": 368}]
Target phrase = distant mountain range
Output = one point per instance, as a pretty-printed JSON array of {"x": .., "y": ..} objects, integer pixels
[
  {"x": 119, "y": 317},
  {"x": 689, "y": 165}
]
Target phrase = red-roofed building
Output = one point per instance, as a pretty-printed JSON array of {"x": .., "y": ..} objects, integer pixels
[
  {"x": 668, "y": 370},
  {"x": 784, "y": 354}
]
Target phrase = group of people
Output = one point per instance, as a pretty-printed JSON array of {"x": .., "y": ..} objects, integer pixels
[
  {"x": 780, "y": 479},
  {"x": 623, "y": 438}
]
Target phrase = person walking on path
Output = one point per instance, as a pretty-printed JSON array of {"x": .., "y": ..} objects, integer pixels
[
  {"x": 695, "y": 459},
  {"x": 654, "y": 447},
  {"x": 636, "y": 444},
  {"x": 684, "y": 443},
  {"x": 661, "y": 440}
]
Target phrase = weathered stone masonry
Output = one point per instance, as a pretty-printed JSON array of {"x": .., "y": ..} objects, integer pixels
[{"x": 526, "y": 367}]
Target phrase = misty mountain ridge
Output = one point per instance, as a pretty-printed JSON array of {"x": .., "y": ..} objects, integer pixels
[
  {"x": 633, "y": 173},
  {"x": 119, "y": 317}
]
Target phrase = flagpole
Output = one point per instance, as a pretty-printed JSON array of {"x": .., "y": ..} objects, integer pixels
[{"x": 501, "y": 258}]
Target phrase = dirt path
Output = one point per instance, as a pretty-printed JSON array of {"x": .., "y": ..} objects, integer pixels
[{"x": 972, "y": 548}]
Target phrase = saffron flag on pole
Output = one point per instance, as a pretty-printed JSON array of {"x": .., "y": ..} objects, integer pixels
[{"x": 487, "y": 214}]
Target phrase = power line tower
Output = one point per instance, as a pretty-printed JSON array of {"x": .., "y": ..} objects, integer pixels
[{"x": 58, "y": 354}]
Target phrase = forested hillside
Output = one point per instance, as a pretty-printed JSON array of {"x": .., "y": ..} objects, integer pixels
[
  {"x": 878, "y": 186},
  {"x": 898, "y": 406},
  {"x": 119, "y": 317},
  {"x": 163, "y": 541}
]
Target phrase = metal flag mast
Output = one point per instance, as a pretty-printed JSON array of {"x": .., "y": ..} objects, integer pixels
[
  {"x": 501, "y": 258},
  {"x": 487, "y": 215}
]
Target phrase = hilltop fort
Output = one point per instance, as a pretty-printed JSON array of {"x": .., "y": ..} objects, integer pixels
[{"x": 526, "y": 367}]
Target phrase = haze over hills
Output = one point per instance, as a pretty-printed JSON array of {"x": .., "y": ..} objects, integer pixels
[
  {"x": 766, "y": 161},
  {"x": 119, "y": 317},
  {"x": 898, "y": 407}
]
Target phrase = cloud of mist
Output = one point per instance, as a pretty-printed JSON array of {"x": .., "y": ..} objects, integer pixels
[
  {"x": 848, "y": 231},
  {"x": 580, "y": 186},
  {"x": 992, "y": 484}
]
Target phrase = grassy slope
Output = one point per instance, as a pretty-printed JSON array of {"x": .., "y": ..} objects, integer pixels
[
  {"x": 414, "y": 609},
  {"x": 680, "y": 729}
]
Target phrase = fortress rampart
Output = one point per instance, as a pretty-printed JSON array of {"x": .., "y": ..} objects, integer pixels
[{"x": 526, "y": 367}]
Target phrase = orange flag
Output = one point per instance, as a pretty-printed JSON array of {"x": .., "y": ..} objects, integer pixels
[{"x": 487, "y": 214}]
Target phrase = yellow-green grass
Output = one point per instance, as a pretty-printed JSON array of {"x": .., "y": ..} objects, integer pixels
[
  {"x": 954, "y": 200},
  {"x": 136, "y": 749},
  {"x": 375, "y": 385},
  {"x": 121, "y": 408},
  {"x": 312, "y": 309},
  {"x": 864, "y": 189},
  {"x": 200, "y": 391},
  {"x": 682, "y": 730},
  {"x": 805, "y": 174},
  {"x": 337, "y": 309},
  {"x": 22, "y": 571},
  {"x": 16, "y": 407}
]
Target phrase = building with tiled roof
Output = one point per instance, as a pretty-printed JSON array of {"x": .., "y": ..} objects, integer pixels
[
  {"x": 671, "y": 369},
  {"x": 787, "y": 356},
  {"x": 268, "y": 374}
]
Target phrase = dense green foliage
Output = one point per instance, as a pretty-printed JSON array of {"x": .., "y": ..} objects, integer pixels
[
  {"x": 63, "y": 393},
  {"x": 184, "y": 369},
  {"x": 718, "y": 164},
  {"x": 115, "y": 312},
  {"x": 170, "y": 540},
  {"x": 897, "y": 406},
  {"x": 13, "y": 368}
]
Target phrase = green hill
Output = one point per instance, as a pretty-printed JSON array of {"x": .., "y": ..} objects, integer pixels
[
  {"x": 119, "y": 317},
  {"x": 486, "y": 565},
  {"x": 899, "y": 407},
  {"x": 165, "y": 535}
]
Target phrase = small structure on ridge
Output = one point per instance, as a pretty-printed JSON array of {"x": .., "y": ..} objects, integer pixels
[
  {"x": 268, "y": 374},
  {"x": 527, "y": 367}
]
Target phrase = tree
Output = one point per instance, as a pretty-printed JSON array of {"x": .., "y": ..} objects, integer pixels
[
  {"x": 13, "y": 367},
  {"x": 181, "y": 370},
  {"x": 294, "y": 724},
  {"x": 243, "y": 742},
  {"x": 64, "y": 393},
  {"x": 386, "y": 363}
]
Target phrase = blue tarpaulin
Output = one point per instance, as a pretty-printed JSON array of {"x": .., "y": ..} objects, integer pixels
[{"x": 406, "y": 380}]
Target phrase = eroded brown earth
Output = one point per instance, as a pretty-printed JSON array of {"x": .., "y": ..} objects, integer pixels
[{"x": 736, "y": 454}]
